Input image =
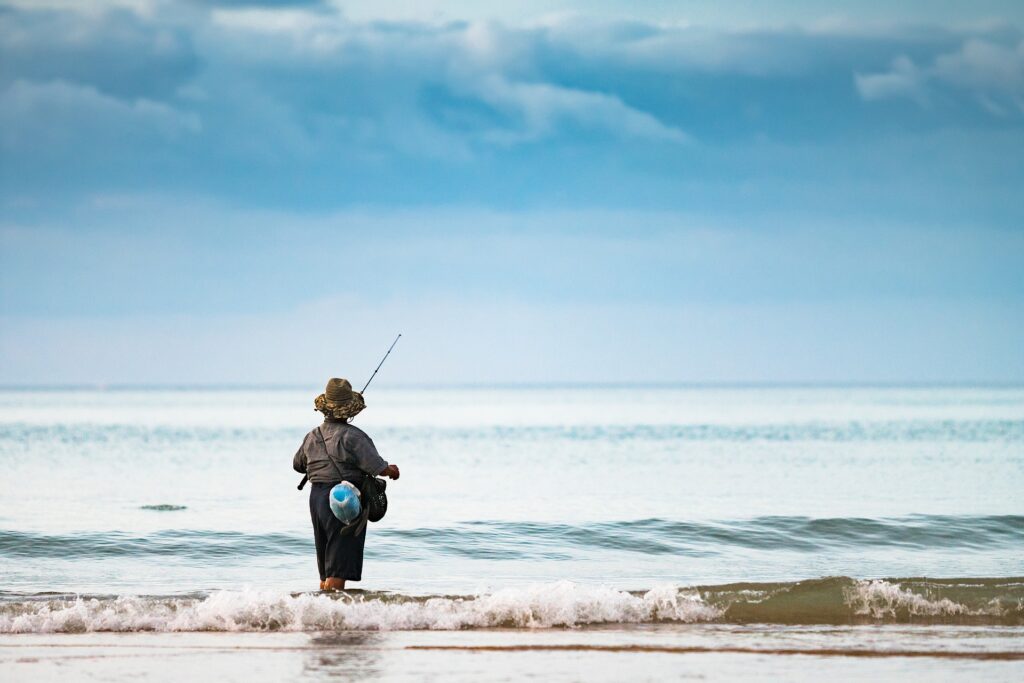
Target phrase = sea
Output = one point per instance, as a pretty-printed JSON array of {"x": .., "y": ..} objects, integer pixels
[{"x": 556, "y": 532}]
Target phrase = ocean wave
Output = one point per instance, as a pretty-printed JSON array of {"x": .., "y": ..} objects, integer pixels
[
  {"x": 187, "y": 544},
  {"x": 842, "y": 600},
  {"x": 542, "y": 540},
  {"x": 835, "y": 600}
]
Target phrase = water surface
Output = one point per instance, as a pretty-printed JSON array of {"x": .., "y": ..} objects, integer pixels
[{"x": 528, "y": 507}]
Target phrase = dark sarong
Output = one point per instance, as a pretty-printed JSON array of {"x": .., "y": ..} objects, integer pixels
[{"x": 337, "y": 556}]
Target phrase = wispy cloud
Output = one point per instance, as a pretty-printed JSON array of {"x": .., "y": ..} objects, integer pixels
[
  {"x": 992, "y": 73},
  {"x": 903, "y": 79},
  {"x": 541, "y": 109},
  {"x": 33, "y": 112}
]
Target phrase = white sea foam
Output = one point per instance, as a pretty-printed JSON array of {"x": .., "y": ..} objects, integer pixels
[
  {"x": 536, "y": 606},
  {"x": 880, "y": 599},
  {"x": 558, "y": 604}
]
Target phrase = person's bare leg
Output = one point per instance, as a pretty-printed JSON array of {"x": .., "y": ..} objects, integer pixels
[{"x": 334, "y": 584}]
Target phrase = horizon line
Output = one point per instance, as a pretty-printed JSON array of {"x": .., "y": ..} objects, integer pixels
[{"x": 712, "y": 384}]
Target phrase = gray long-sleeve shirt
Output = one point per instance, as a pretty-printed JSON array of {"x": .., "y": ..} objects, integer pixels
[{"x": 352, "y": 449}]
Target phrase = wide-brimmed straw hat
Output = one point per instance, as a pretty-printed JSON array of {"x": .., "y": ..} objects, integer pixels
[{"x": 339, "y": 400}]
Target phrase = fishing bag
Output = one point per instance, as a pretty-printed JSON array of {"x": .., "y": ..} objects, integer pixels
[
  {"x": 375, "y": 500},
  {"x": 375, "y": 505}
]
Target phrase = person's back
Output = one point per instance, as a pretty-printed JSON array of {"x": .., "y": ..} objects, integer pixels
[{"x": 337, "y": 451}]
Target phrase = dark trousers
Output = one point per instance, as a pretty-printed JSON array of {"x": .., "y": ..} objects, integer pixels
[{"x": 337, "y": 556}]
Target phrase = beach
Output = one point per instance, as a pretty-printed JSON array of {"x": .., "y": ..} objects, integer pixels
[
  {"x": 691, "y": 532},
  {"x": 648, "y": 654}
]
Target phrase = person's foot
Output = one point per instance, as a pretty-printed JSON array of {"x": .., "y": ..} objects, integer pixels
[
  {"x": 322, "y": 585},
  {"x": 333, "y": 584}
]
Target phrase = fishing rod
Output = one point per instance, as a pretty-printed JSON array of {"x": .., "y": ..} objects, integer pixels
[
  {"x": 305, "y": 477},
  {"x": 381, "y": 362}
]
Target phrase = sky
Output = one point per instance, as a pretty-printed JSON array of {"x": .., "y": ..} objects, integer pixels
[{"x": 260, "y": 192}]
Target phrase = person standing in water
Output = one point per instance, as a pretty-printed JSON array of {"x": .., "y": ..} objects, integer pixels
[{"x": 334, "y": 452}]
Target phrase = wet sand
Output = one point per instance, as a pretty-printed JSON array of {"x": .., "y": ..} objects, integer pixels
[{"x": 675, "y": 652}]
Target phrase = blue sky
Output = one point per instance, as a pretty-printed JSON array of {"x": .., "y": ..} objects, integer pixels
[{"x": 228, "y": 192}]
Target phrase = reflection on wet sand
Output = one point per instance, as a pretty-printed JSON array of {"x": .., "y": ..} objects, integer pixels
[{"x": 348, "y": 654}]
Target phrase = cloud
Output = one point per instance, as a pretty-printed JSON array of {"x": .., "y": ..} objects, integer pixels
[
  {"x": 524, "y": 181},
  {"x": 260, "y": 3},
  {"x": 904, "y": 79},
  {"x": 990, "y": 72},
  {"x": 35, "y": 115},
  {"x": 542, "y": 108},
  {"x": 985, "y": 66},
  {"x": 93, "y": 7},
  {"x": 300, "y": 105},
  {"x": 304, "y": 23},
  {"x": 118, "y": 52}
]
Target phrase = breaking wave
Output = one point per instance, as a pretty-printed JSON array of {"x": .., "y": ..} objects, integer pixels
[{"x": 833, "y": 600}]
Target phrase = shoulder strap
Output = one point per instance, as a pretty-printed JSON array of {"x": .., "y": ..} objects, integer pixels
[{"x": 328, "y": 452}]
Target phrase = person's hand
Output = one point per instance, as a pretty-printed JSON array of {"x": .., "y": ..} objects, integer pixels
[{"x": 391, "y": 471}]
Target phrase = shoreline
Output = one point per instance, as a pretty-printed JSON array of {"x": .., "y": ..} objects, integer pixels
[{"x": 598, "y": 653}]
